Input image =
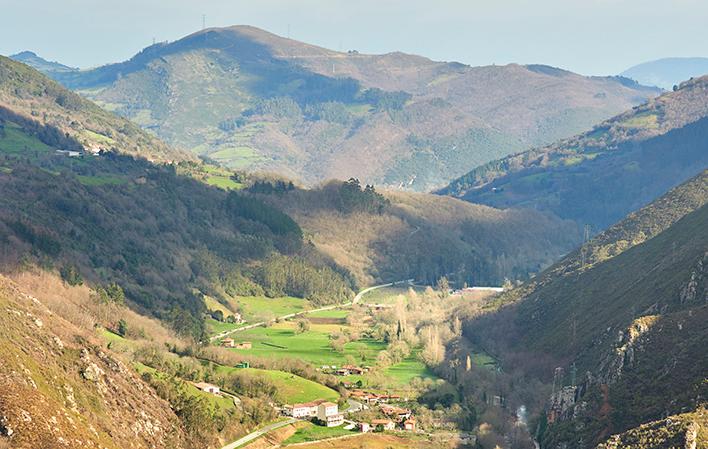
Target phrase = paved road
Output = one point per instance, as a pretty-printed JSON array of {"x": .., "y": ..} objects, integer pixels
[
  {"x": 356, "y": 299},
  {"x": 259, "y": 433}
]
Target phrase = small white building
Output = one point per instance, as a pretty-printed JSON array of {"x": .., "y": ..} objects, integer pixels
[
  {"x": 208, "y": 388},
  {"x": 328, "y": 414}
]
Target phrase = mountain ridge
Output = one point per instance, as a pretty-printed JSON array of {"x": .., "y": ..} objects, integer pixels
[{"x": 247, "y": 98}]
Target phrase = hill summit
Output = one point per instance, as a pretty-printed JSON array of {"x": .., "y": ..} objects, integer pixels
[{"x": 247, "y": 98}]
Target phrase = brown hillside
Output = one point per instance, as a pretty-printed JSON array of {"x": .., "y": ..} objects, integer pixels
[{"x": 59, "y": 388}]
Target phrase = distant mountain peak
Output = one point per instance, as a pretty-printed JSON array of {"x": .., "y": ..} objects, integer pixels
[{"x": 33, "y": 60}]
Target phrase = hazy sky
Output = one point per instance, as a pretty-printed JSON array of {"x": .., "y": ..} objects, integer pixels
[{"x": 586, "y": 36}]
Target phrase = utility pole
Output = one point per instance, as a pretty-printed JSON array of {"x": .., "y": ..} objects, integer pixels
[{"x": 586, "y": 238}]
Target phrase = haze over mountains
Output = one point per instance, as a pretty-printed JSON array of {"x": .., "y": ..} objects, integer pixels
[
  {"x": 668, "y": 72},
  {"x": 250, "y": 99}
]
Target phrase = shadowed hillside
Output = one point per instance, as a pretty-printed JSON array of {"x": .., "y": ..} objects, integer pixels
[
  {"x": 249, "y": 99},
  {"x": 623, "y": 319},
  {"x": 598, "y": 177},
  {"x": 425, "y": 237}
]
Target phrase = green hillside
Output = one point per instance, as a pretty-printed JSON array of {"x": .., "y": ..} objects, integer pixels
[
  {"x": 27, "y": 97},
  {"x": 632, "y": 317},
  {"x": 250, "y": 99},
  {"x": 600, "y": 176}
]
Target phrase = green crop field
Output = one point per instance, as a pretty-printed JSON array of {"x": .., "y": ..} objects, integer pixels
[
  {"x": 311, "y": 432},
  {"x": 260, "y": 308},
  {"x": 334, "y": 313},
  {"x": 280, "y": 341},
  {"x": 15, "y": 141},
  {"x": 291, "y": 388},
  {"x": 410, "y": 368}
]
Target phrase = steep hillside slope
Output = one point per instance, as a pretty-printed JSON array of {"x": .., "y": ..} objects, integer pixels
[
  {"x": 28, "y": 96},
  {"x": 622, "y": 322},
  {"x": 598, "y": 177},
  {"x": 60, "y": 388},
  {"x": 424, "y": 236},
  {"x": 248, "y": 98},
  {"x": 668, "y": 72}
]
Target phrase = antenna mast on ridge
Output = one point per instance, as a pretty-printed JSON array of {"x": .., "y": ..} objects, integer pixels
[{"x": 203, "y": 21}]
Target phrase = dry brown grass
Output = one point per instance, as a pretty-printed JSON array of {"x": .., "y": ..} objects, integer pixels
[{"x": 76, "y": 305}]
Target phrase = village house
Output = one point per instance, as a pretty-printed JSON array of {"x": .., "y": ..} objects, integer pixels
[
  {"x": 306, "y": 409},
  {"x": 228, "y": 343},
  {"x": 208, "y": 388},
  {"x": 397, "y": 413},
  {"x": 328, "y": 414},
  {"x": 409, "y": 425},
  {"x": 354, "y": 369},
  {"x": 386, "y": 424},
  {"x": 364, "y": 427},
  {"x": 244, "y": 345}
]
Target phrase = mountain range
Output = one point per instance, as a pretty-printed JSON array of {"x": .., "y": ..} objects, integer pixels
[{"x": 252, "y": 100}]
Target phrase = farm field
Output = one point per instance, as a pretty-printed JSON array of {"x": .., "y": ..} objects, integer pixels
[
  {"x": 410, "y": 368},
  {"x": 292, "y": 388},
  {"x": 281, "y": 341},
  {"x": 310, "y": 432},
  {"x": 253, "y": 309}
]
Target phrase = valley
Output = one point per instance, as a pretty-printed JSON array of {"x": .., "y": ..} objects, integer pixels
[{"x": 241, "y": 240}]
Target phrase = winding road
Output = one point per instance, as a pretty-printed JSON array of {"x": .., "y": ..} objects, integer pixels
[{"x": 259, "y": 433}]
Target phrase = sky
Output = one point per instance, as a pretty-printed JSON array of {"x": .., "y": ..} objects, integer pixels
[{"x": 592, "y": 37}]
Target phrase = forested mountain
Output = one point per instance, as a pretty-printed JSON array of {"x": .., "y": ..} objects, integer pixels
[
  {"x": 667, "y": 72},
  {"x": 622, "y": 323},
  {"x": 600, "y": 176},
  {"x": 249, "y": 99}
]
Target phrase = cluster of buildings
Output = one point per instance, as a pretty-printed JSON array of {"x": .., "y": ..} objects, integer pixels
[{"x": 387, "y": 425}]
